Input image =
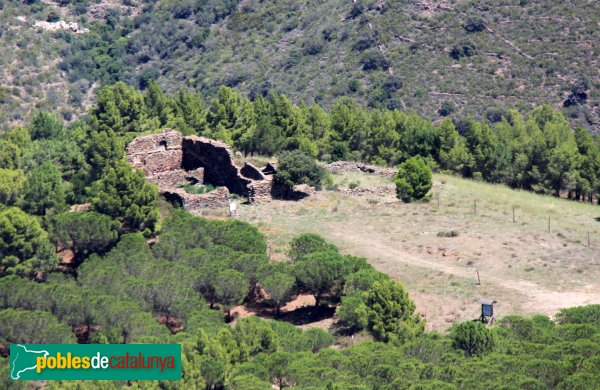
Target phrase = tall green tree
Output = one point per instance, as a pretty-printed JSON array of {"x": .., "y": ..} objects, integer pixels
[
  {"x": 189, "y": 107},
  {"x": 66, "y": 153},
  {"x": 124, "y": 194},
  {"x": 39, "y": 327},
  {"x": 230, "y": 116},
  {"x": 267, "y": 137},
  {"x": 480, "y": 140},
  {"x": 45, "y": 125},
  {"x": 277, "y": 364},
  {"x": 84, "y": 232},
  {"x": 231, "y": 288},
  {"x": 44, "y": 190},
  {"x": 350, "y": 123},
  {"x": 391, "y": 313},
  {"x": 103, "y": 149},
  {"x": 453, "y": 154},
  {"x": 11, "y": 185},
  {"x": 157, "y": 105},
  {"x": 11, "y": 155},
  {"x": 24, "y": 245},
  {"x": 119, "y": 108},
  {"x": 280, "y": 287},
  {"x": 322, "y": 273},
  {"x": 307, "y": 243}
]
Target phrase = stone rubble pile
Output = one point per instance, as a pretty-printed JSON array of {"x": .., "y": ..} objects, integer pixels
[
  {"x": 384, "y": 190},
  {"x": 350, "y": 166}
]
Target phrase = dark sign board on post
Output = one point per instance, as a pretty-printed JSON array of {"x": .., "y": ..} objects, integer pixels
[{"x": 487, "y": 309}]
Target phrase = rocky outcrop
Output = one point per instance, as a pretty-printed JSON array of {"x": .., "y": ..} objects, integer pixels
[
  {"x": 170, "y": 160},
  {"x": 61, "y": 25}
]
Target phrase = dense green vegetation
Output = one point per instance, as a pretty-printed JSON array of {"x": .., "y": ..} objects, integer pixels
[
  {"x": 90, "y": 253},
  {"x": 538, "y": 152},
  {"x": 180, "y": 286},
  {"x": 116, "y": 297},
  {"x": 456, "y": 58}
]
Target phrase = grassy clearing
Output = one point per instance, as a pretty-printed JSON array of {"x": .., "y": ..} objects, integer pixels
[{"x": 525, "y": 268}]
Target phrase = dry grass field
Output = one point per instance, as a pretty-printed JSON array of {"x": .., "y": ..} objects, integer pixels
[{"x": 437, "y": 253}]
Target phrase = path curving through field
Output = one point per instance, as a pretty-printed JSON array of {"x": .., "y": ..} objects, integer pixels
[{"x": 536, "y": 298}]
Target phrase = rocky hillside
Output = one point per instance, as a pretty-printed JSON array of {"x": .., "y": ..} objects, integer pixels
[{"x": 455, "y": 57}]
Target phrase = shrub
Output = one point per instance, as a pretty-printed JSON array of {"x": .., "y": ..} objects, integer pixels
[
  {"x": 308, "y": 243},
  {"x": 474, "y": 25},
  {"x": 473, "y": 338},
  {"x": 451, "y": 233},
  {"x": 589, "y": 314},
  {"x": 447, "y": 108},
  {"x": 296, "y": 167},
  {"x": 374, "y": 60},
  {"x": 354, "y": 184},
  {"x": 391, "y": 313},
  {"x": 312, "y": 47},
  {"x": 463, "y": 49},
  {"x": 413, "y": 179},
  {"x": 194, "y": 189}
]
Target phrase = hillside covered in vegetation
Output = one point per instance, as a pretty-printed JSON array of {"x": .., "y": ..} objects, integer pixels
[
  {"x": 141, "y": 270},
  {"x": 437, "y": 58},
  {"x": 90, "y": 252}
]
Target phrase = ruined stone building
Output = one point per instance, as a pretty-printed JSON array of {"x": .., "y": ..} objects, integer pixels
[{"x": 170, "y": 160}]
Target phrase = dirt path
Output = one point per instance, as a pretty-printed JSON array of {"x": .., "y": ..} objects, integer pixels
[{"x": 390, "y": 260}]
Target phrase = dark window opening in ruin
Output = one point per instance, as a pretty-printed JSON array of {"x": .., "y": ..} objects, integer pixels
[
  {"x": 192, "y": 180},
  {"x": 174, "y": 199},
  {"x": 163, "y": 143}
]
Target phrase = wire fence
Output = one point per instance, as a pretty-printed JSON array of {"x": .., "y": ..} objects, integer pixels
[{"x": 588, "y": 236}]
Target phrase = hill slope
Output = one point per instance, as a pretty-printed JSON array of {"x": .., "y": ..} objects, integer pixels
[{"x": 436, "y": 57}]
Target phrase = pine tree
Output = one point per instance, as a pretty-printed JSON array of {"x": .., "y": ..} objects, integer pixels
[
  {"x": 44, "y": 190},
  {"x": 124, "y": 194}
]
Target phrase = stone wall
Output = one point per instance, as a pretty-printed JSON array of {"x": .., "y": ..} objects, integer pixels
[
  {"x": 219, "y": 198},
  {"x": 260, "y": 191},
  {"x": 170, "y": 160},
  {"x": 158, "y": 155},
  {"x": 251, "y": 172}
]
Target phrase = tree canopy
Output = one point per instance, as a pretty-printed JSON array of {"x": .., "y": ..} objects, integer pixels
[
  {"x": 124, "y": 195},
  {"x": 413, "y": 180}
]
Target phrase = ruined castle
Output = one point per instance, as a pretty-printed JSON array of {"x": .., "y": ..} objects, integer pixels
[{"x": 170, "y": 160}]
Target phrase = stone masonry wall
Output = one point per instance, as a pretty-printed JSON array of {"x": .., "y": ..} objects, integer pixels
[
  {"x": 219, "y": 198},
  {"x": 156, "y": 152},
  {"x": 169, "y": 160}
]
